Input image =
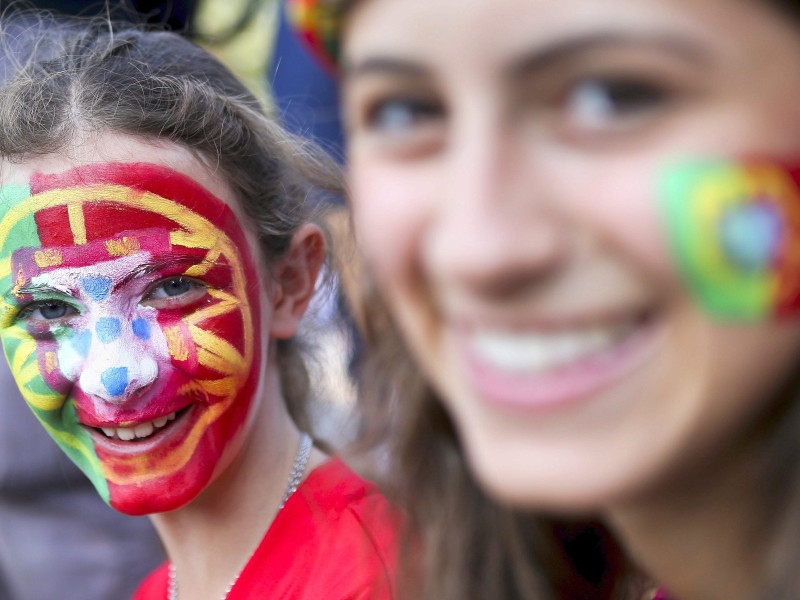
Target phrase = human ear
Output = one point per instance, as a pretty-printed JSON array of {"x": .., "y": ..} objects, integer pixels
[{"x": 294, "y": 280}]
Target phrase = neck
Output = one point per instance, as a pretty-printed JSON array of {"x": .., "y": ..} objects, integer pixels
[
  {"x": 211, "y": 539},
  {"x": 699, "y": 538}
]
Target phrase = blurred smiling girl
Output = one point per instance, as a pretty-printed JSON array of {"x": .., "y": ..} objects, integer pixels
[{"x": 583, "y": 218}]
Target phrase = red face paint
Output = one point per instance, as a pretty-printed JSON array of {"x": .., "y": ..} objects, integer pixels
[{"x": 139, "y": 308}]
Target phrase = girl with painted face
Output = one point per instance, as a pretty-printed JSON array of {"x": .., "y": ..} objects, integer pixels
[
  {"x": 583, "y": 217},
  {"x": 155, "y": 259}
]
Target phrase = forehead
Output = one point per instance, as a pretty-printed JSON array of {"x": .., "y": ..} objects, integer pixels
[
  {"x": 110, "y": 147},
  {"x": 116, "y": 161},
  {"x": 100, "y": 212},
  {"x": 98, "y": 201},
  {"x": 493, "y": 32}
]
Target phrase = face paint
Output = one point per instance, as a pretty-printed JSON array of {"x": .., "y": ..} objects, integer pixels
[
  {"x": 129, "y": 318},
  {"x": 735, "y": 229}
]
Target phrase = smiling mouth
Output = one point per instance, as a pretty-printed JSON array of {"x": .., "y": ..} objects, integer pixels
[
  {"x": 543, "y": 352},
  {"x": 556, "y": 368},
  {"x": 141, "y": 431}
]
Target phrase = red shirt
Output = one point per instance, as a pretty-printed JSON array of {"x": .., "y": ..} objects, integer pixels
[{"x": 335, "y": 539}]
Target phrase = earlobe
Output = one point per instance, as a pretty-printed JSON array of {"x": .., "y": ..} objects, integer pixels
[{"x": 295, "y": 278}]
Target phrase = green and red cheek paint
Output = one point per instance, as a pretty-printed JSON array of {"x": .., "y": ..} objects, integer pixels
[
  {"x": 735, "y": 230},
  {"x": 94, "y": 238}
]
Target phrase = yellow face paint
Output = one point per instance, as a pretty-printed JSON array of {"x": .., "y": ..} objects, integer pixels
[{"x": 127, "y": 312}]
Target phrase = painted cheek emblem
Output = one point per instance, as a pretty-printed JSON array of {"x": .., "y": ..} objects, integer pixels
[{"x": 735, "y": 230}]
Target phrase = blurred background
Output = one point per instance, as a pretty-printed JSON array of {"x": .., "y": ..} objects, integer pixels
[{"x": 241, "y": 33}]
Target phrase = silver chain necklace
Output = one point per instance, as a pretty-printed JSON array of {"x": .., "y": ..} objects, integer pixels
[{"x": 299, "y": 467}]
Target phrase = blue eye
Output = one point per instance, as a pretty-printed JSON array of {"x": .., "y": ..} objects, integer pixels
[
  {"x": 46, "y": 310},
  {"x": 175, "y": 287},
  {"x": 174, "y": 291}
]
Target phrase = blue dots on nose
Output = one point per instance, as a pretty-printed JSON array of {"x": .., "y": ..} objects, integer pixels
[
  {"x": 81, "y": 342},
  {"x": 141, "y": 329},
  {"x": 96, "y": 287},
  {"x": 115, "y": 380},
  {"x": 108, "y": 329}
]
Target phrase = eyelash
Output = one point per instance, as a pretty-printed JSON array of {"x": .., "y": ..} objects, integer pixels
[
  {"x": 418, "y": 111},
  {"x": 26, "y": 311},
  {"x": 607, "y": 102},
  {"x": 592, "y": 104},
  {"x": 149, "y": 299},
  {"x": 179, "y": 300}
]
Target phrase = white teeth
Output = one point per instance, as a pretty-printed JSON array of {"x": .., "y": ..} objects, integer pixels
[
  {"x": 142, "y": 430},
  {"x": 540, "y": 352},
  {"x": 125, "y": 434}
]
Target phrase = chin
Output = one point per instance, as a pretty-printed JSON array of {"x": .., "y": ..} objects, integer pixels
[
  {"x": 150, "y": 499},
  {"x": 547, "y": 480},
  {"x": 528, "y": 495}
]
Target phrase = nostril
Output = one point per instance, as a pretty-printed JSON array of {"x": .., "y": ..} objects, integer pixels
[{"x": 135, "y": 389}]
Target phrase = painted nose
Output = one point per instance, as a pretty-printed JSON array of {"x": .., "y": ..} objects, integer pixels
[{"x": 116, "y": 367}]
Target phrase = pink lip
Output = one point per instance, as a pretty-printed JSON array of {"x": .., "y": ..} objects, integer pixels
[{"x": 565, "y": 386}]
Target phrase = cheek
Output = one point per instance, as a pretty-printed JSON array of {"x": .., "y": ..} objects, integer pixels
[
  {"x": 390, "y": 216},
  {"x": 208, "y": 344},
  {"x": 34, "y": 364},
  {"x": 619, "y": 202},
  {"x": 735, "y": 228},
  {"x": 52, "y": 369},
  {"x": 61, "y": 357},
  {"x": 181, "y": 345}
]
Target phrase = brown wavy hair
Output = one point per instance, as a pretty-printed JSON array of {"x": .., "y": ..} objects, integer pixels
[
  {"x": 82, "y": 76},
  {"x": 467, "y": 546}
]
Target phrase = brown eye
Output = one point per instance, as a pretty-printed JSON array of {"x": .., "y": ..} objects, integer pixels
[
  {"x": 597, "y": 103},
  {"x": 402, "y": 115}
]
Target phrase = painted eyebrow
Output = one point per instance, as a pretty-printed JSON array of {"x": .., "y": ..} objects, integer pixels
[
  {"x": 552, "y": 55},
  {"x": 39, "y": 288},
  {"x": 154, "y": 266}
]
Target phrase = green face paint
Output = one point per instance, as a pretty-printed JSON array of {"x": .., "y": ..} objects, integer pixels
[
  {"x": 130, "y": 322},
  {"x": 47, "y": 403},
  {"x": 735, "y": 229}
]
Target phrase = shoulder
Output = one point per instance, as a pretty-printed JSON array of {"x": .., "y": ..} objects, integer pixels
[
  {"x": 351, "y": 506},
  {"x": 336, "y": 537},
  {"x": 154, "y": 586},
  {"x": 334, "y": 487}
]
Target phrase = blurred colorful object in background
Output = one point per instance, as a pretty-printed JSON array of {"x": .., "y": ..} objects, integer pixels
[{"x": 318, "y": 26}]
